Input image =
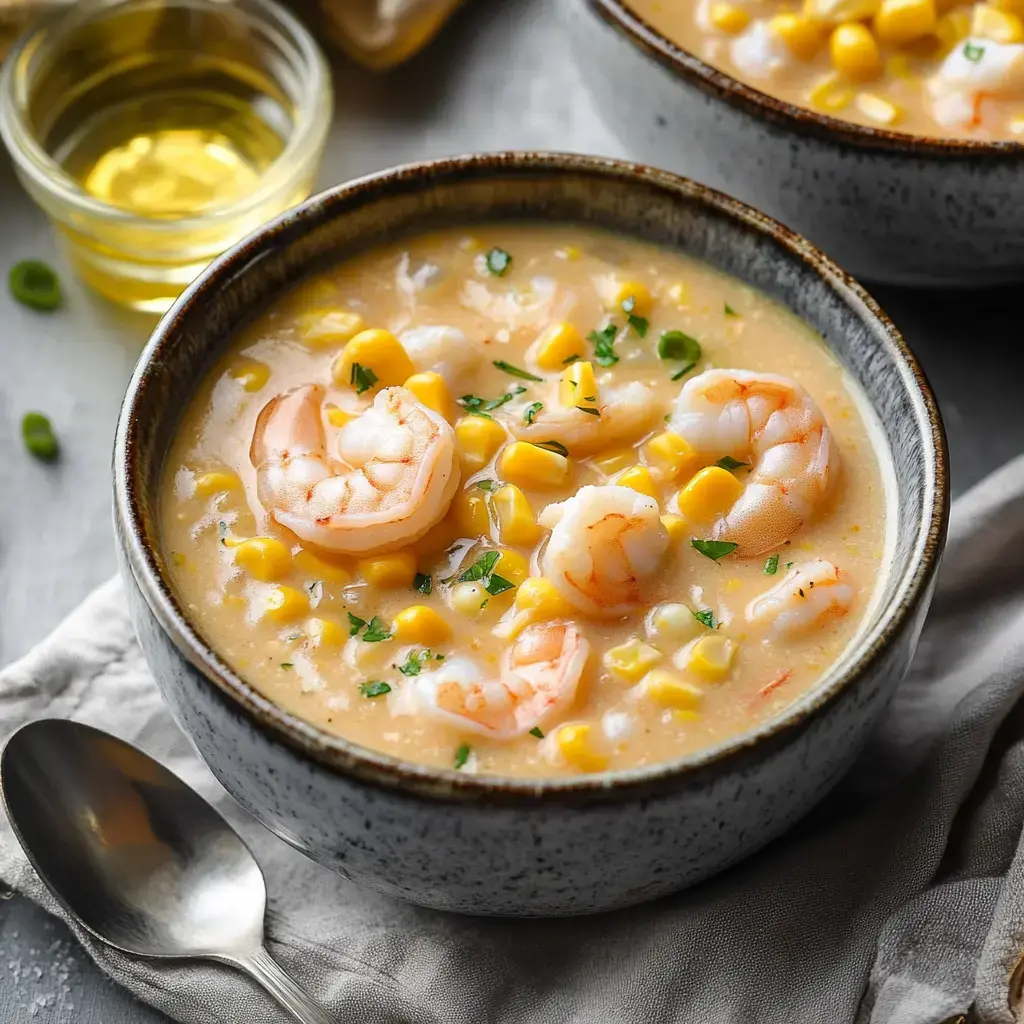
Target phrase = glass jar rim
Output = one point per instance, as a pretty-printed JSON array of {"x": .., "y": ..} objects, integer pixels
[{"x": 304, "y": 142}]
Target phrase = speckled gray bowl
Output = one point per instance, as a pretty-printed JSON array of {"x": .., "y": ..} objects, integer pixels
[
  {"x": 888, "y": 206},
  {"x": 488, "y": 845}
]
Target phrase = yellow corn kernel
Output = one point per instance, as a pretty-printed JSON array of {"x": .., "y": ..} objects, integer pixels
[
  {"x": 635, "y": 290},
  {"x": 576, "y": 743},
  {"x": 614, "y": 461},
  {"x": 801, "y": 34},
  {"x": 676, "y": 526},
  {"x": 671, "y": 455},
  {"x": 432, "y": 391},
  {"x": 471, "y": 517},
  {"x": 835, "y": 12},
  {"x": 532, "y": 466},
  {"x": 674, "y": 622},
  {"x": 639, "y": 478},
  {"x": 728, "y": 18},
  {"x": 286, "y": 604},
  {"x": 830, "y": 94},
  {"x": 1017, "y": 125},
  {"x": 854, "y": 52},
  {"x": 631, "y": 660},
  {"x": 312, "y": 567},
  {"x": 217, "y": 482},
  {"x": 710, "y": 493},
  {"x": 953, "y": 28},
  {"x": 671, "y": 691},
  {"x": 326, "y": 633},
  {"x": 577, "y": 388},
  {"x": 251, "y": 374},
  {"x": 539, "y": 597},
  {"x": 570, "y": 252},
  {"x": 324, "y": 328},
  {"x": 679, "y": 294},
  {"x": 557, "y": 344},
  {"x": 419, "y": 624},
  {"x": 477, "y": 439},
  {"x": 513, "y": 566},
  {"x": 686, "y": 715},
  {"x": 902, "y": 21},
  {"x": 1013, "y": 6},
  {"x": 469, "y": 598},
  {"x": 470, "y": 244},
  {"x": 999, "y": 26},
  {"x": 392, "y": 571},
  {"x": 376, "y": 350},
  {"x": 877, "y": 109},
  {"x": 517, "y": 523},
  {"x": 264, "y": 558},
  {"x": 710, "y": 657},
  {"x": 338, "y": 417},
  {"x": 898, "y": 65}
]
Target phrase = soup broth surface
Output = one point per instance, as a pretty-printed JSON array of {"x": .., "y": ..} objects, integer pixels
[{"x": 511, "y": 638}]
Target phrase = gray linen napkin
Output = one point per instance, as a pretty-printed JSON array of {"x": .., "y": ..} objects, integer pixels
[{"x": 899, "y": 901}]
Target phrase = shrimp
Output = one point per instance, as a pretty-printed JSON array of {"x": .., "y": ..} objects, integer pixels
[
  {"x": 810, "y": 595},
  {"x": 534, "y": 306},
  {"x": 975, "y": 70},
  {"x": 397, "y": 475},
  {"x": 444, "y": 350},
  {"x": 604, "y": 541},
  {"x": 538, "y": 680},
  {"x": 774, "y": 424},
  {"x": 625, "y": 412}
]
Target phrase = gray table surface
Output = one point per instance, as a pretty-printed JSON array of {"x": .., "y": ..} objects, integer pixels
[{"x": 498, "y": 78}]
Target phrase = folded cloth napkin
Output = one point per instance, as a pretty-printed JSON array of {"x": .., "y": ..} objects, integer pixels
[{"x": 899, "y": 901}]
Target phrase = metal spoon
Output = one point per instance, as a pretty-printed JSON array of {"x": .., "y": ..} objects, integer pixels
[{"x": 139, "y": 858}]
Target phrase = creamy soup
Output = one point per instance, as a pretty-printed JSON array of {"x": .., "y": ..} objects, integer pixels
[
  {"x": 534, "y": 501},
  {"x": 926, "y": 66}
]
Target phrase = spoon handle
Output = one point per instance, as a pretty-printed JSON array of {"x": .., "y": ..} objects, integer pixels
[{"x": 264, "y": 969}]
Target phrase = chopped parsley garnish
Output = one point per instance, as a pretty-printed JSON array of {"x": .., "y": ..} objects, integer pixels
[
  {"x": 497, "y": 585},
  {"x": 497, "y": 403},
  {"x": 422, "y": 583},
  {"x": 39, "y": 437},
  {"x": 515, "y": 371},
  {"x": 973, "y": 52},
  {"x": 535, "y": 731},
  {"x": 474, "y": 405},
  {"x": 377, "y": 631},
  {"x": 530, "y": 412},
  {"x": 679, "y": 345},
  {"x": 34, "y": 284},
  {"x": 706, "y": 618},
  {"x": 729, "y": 311},
  {"x": 638, "y": 323},
  {"x": 714, "y": 549},
  {"x": 729, "y": 463},
  {"x": 414, "y": 663},
  {"x": 555, "y": 446},
  {"x": 483, "y": 406},
  {"x": 287, "y": 664},
  {"x": 355, "y": 623},
  {"x": 771, "y": 565},
  {"x": 604, "y": 345},
  {"x": 682, "y": 372},
  {"x": 789, "y": 565},
  {"x": 483, "y": 570},
  {"x": 375, "y": 688},
  {"x": 498, "y": 261},
  {"x": 486, "y": 485},
  {"x": 461, "y": 756},
  {"x": 589, "y": 410},
  {"x": 570, "y": 359},
  {"x": 362, "y": 378}
]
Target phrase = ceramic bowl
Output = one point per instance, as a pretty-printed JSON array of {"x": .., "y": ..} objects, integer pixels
[
  {"x": 489, "y": 845},
  {"x": 888, "y": 206}
]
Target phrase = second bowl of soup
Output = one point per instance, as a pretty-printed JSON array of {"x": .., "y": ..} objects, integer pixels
[{"x": 540, "y": 514}]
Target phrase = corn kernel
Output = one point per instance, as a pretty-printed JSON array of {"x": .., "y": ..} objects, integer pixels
[
  {"x": 635, "y": 290},
  {"x": 679, "y": 294},
  {"x": 710, "y": 493},
  {"x": 898, "y": 65},
  {"x": 286, "y": 604},
  {"x": 338, "y": 417},
  {"x": 471, "y": 517},
  {"x": 901, "y": 21},
  {"x": 557, "y": 344},
  {"x": 1017, "y": 125},
  {"x": 999, "y": 26},
  {"x": 532, "y": 466},
  {"x": 671, "y": 691},
  {"x": 432, "y": 391},
  {"x": 801, "y": 34},
  {"x": 570, "y": 252},
  {"x": 217, "y": 482},
  {"x": 676, "y": 527},
  {"x": 639, "y": 478},
  {"x": 673, "y": 622},
  {"x": 376, "y": 350},
  {"x": 671, "y": 455},
  {"x": 251, "y": 374},
  {"x": 878, "y": 109},
  {"x": 392, "y": 571},
  {"x": 855, "y": 52},
  {"x": 710, "y": 657},
  {"x": 728, "y": 18},
  {"x": 264, "y": 558},
  {"x": 686, "y": 715},
  {"x": 469, "y": 598},
  {"x": 1012, "y": 6},
  {"x": 830, "y": 94},
  {"x": 513, "y": 566},
  {"x": 312, "y": 567},
  {"x": 835, "y": 12},
  {"x": 614, "y": 461},
  {"x": 517, "y": 523},
  {"x": 540, "y": 598},
  {"x": 323, "y": 328},
  {"x": 577, "y": 388},
  {"x": 477, "y": 439},
  {"x": 631, "y": 660},
  {"x": 326, "y": 633},
  {"x": 576, "y": 743},
  {"x": 419, "y": 624},
  {"x": 952, "y": 28}
]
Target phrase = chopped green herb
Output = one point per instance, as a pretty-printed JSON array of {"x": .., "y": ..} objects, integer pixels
[
  {"x": 729, "y": 311},
  {"x": 498, "y": 261},
  {"x": 729, "y": 463},
  {"x": 461, "y": 756},
  {"x": 497, "y": 403},
  {"x": 638, "y": 323},
  {"x": 483, "y": 603},
  {"x": 535, "y": 731},
  {"x": 376, "y": 688},
  {"x": 679, "y": 345},
  {"x": 481, "y": 567},
  {"x": 474, "y": 405},
  {"x": 570, "y": 359},
  {"x": 604, "y": 345},
  {"x": 771, "y": 565},
  {"x": 789, "y": 565},
  {"x": 287, "y": 664},
  {"x": 422, "y": 583},
  {"x": 530, "y": 412},
  {"x": 36, "y": 285},
  {"x": 486, "y": 485},
  {"x": 706, "y": 617},
  {"x": 555, "y": 446},
  {"x": 497, "y": 585},
  {"x": 682, "y": 372},
  {"x": 39, "y": 437},
  {"x": 414, "y": 663},
  {"x": 589, "y": 410},
  {"x": 355, "y": 623},
  {"x": 377, "y": 631},
  {"x": 714, "y": 549},
  {"x": 515, "y": 371},
  {"x": 973, "y": 52},
  {"x": 362, "y": 377}
]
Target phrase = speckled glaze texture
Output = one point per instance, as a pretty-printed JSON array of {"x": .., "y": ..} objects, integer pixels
[
  {"x": 886, "y": 206},
  {"x": 487, "y": 845}
]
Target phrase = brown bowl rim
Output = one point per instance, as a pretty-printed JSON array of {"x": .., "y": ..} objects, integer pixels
[{"x": 377, "y": 769}]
